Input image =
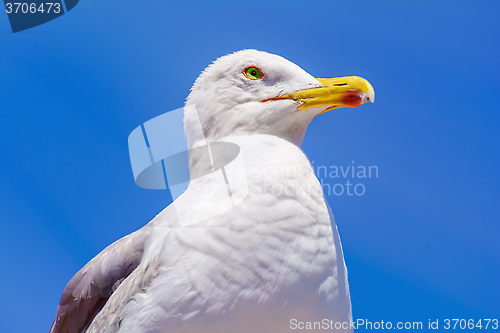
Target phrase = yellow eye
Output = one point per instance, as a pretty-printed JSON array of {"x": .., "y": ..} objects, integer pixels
[{"x": 253, "y": 73}]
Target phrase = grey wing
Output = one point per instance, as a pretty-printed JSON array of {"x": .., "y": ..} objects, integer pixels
[{"x": 87, "y": 292}]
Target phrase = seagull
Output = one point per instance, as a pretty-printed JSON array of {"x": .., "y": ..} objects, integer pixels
[{"x": 271, "y": 263}]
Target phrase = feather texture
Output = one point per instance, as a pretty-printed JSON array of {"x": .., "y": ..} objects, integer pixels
[{"x": 275, "y": 256}]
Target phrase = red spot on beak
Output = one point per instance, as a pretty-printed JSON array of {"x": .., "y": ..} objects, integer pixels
[{"x": 351, "y": 99}]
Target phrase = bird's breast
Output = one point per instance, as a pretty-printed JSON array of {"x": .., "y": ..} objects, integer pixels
[{"x": 272, "y": 256}]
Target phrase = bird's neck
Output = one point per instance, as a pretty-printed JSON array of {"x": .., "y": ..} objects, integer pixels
[
  {"x": 260, "y": 162},
  {"x": 259, "y": 152}
]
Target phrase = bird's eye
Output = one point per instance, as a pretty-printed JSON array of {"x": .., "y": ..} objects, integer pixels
[{"x": 253, "y": 73}]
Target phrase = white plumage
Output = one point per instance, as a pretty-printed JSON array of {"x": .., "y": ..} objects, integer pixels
[{"x": 274, "y": 257}]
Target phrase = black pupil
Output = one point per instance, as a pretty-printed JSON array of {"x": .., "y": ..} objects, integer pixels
[{"x": 253, "y": 72}]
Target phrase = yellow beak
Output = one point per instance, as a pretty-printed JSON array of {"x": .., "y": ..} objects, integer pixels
[{"x": 334, "y": 93}]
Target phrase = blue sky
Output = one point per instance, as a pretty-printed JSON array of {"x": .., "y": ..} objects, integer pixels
[{"x": 421, "y": 243}]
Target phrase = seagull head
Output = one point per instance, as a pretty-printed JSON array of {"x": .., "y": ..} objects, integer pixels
[{"x": 254, "y": 92}]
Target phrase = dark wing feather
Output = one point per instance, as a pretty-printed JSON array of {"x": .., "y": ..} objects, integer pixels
[{"x": 90, "y": 288}]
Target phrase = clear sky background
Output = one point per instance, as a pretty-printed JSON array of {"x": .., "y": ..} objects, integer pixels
[{"x": 421, "y": 243}]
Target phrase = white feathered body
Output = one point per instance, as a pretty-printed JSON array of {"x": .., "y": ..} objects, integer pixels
[
  {"x": 273, "y": 258},
  {"x": 251, "y": 246}
]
